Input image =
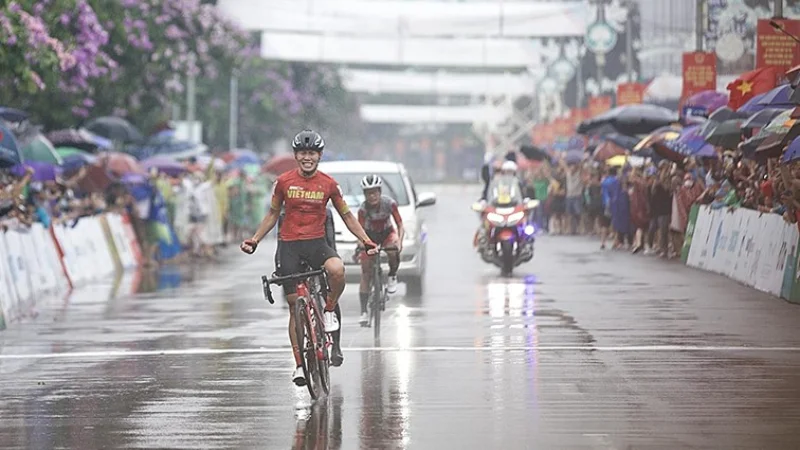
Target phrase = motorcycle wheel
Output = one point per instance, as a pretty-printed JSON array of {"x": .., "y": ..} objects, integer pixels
[{"x": 506, "y": 258}]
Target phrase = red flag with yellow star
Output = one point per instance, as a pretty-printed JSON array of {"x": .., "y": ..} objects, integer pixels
[{"x": 750, "y": 84}]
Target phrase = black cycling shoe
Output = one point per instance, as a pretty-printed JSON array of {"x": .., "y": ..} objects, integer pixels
[{"x": 336, "y": 356}]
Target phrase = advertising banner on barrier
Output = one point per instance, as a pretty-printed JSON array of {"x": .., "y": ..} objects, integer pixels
[
  {"x": 687, "y": 241},
  {"x": 752, "y": 248}
]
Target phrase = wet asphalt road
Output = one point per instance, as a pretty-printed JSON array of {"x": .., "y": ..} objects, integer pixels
[{"x": 581, "y": 349}]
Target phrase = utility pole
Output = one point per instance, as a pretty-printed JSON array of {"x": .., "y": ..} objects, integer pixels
[
  {"x": 233, "y": 112},
  {"x": 698, "y": 25},
  {"x": 778, "y": 9},
  {"x": 191, "y": 98}
]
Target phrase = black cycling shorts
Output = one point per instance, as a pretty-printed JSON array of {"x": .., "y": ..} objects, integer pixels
[{"x": 290, "y": 253}]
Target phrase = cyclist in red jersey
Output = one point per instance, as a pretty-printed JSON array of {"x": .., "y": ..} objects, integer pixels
[
  {"x": 304, "y": 195},
  {"x": 375, "y": 215}
]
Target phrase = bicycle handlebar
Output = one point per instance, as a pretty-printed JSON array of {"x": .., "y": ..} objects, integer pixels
[{"x": 265, "y": 281}]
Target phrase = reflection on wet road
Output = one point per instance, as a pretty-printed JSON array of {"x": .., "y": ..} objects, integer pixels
[{"x": 581, "y": 349}]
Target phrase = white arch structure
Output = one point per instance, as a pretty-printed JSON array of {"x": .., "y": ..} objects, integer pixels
[
  {"x": 412, "y": 18},
  {"x": 441, "y": 82}
]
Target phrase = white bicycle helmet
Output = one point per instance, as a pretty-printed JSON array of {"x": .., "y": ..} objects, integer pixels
[
  {"x": 371, "y": 181},
  {"x": 509, "y": 166}
]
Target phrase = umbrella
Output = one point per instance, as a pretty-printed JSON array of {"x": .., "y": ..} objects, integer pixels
[
  {"x": 246, "y": 156},
  {"x": 13, "y": 114},
  {"x": 777, "y": 97},
  {"x": 709, "y": 100},
  {"x": 719, "y": 116},
  {"x": 165, "y": 165},
  {"x": 75, "y": 158},
  {"x": 80, "y": 138},
  {"x": 749, "y": 146},
  {"x": 624, "y": 141},
  {"x": 97, "y": 179},
  {"x": 115, "y": 128},
  {"x": 663, "y": 134},
  {"x": 752, "y": 106},
  {"x": 692, "y": 143},
  {"x": 534, "y": 153},
  {"x": 134, "y": 178},
  {"x": 280, "y": 164},
  {"x": 42, "y": 171},
  {"x": 728, "y": 134},
  {"x": 782, "y": 130},
  {"x": 792, "y": 152},
  {"x": 574, "y": 156},
  {"x": 631, "y": 119},
  {"x": 9, "y": 149},
  {"x": 607, "y": 150},
  {"x": 204, "y": 160},
  {"x": 761, "y": 118},
  {"x": 621, "y": 160},
  {"x": 36, "y": 147},
  {"x": 120, "y": 164}
]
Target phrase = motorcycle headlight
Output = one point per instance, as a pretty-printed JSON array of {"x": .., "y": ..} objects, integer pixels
[
  {"x": 495, "y": 218},
  {"x": 516, "y": 217}
]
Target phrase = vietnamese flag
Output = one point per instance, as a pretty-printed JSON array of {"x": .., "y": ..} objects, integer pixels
[{"x": 752, "y": 83}]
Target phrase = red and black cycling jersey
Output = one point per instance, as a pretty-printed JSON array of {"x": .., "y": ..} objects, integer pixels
[
  {"x": 305, "y": 201},
  {"x": 378, "y": 218}
]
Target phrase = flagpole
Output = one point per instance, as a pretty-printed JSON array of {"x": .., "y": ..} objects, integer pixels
[{"x": 698, "y": 19}]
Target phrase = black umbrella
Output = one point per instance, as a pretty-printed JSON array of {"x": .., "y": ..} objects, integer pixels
[
  {"x": 794, "y": 97},
  {"x": 115, "y": 128},
  {"x": 624, "y": 141},
  {"x": 749, "y": 146},
  {"x": 761, "y": 118},
  {"x": 727, "y": 134},
  {"x": 719, "y": 116},
  {"x": 533, "y": 153},
  {"x": 631, "y": 119}
]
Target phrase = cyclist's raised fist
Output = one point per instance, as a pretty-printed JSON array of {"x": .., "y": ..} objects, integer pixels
[{"x": 249, "y": 246}]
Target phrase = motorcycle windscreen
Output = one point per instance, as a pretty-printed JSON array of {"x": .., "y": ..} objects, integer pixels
[{"x": 505, "y": 192}]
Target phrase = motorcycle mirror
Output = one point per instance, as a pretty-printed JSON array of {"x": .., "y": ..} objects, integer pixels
[{"x": 477, "y": 207}]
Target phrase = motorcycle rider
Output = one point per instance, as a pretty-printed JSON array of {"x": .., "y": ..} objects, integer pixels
[{"x": 505, "y": 189}]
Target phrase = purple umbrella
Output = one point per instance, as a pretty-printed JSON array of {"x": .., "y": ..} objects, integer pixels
[
  {"x": 691, "y": 142},
  {"x": 574, "y": 156},
  {"x": 709, "y": 100},
  {"x": 164, "y": 164},
  {"x": 42, "y": 171}
]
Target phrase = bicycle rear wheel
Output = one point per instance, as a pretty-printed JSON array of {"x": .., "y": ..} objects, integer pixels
[{"x": 306, "y": 344}]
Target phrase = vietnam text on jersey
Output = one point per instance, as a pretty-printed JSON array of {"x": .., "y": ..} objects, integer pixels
[{"x": 304, "y": 200}]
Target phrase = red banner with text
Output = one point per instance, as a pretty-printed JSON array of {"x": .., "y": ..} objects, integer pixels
[
  {"x": 630, "y": 93},
  {"x": 699, "y": 73},
  {"x": 774, "y": 48},
  {"x": 599, "y": 105}
]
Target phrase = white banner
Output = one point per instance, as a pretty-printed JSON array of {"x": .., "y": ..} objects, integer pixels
[{"x": 745, "y": 245}]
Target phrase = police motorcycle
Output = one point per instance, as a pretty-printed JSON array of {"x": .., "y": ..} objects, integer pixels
[{"x": 506, "y": 236}]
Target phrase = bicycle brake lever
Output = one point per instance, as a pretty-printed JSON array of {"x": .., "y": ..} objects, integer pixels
[{"x": 267, "y": 290}]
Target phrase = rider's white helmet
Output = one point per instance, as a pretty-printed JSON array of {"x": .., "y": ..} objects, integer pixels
[
  {"x": 509, "y": 166},
  {"x": 371, "y": 181}
]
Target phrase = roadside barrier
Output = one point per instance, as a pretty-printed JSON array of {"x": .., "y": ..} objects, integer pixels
[
  {"x": 38, "y": 261},
  {"x": 758, "y": 250}
]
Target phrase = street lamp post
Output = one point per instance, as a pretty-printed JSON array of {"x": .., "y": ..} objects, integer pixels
[{"x": 601, "y": 39}]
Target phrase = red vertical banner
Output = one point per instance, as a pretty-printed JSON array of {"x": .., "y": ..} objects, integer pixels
[
  {"x": 599, "y": 105},
  {"x": 699, "y": 73},
  {"x": 548, "y": 133},
  {"x": 536, "y": 135},
  {"x": 774, "y": 48},
  {"x": 630, "y": 93}
]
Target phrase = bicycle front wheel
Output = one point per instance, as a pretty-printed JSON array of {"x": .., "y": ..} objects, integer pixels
[
  {"x": 306, "y": 343},
  {"x": 377, "y": 303},
  {"x": 323, "y": 355}
]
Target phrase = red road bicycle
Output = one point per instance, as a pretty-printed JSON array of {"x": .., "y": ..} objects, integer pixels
[{"x": 312, "y": 340}]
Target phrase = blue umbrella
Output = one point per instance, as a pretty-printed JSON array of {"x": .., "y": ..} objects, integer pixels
[
  {"x": 691, "y": 142},
  {"x": 75, "y": 161},
  {"x": 13, "y": 114},
  {"x": 792, "y": 152},
  {"x": 9, "y": 149},
  {"x": 778, "y": 97},
  {"x": 753, "y": 105}
]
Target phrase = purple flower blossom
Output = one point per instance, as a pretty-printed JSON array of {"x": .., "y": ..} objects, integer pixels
[{"x": 80, "y": 112}]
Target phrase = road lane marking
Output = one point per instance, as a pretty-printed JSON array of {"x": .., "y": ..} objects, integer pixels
[{"x": 268, "y": 350}]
